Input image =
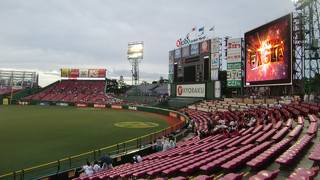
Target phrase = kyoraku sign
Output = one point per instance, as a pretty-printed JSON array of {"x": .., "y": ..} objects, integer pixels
[{"x": 191, "y": 90}]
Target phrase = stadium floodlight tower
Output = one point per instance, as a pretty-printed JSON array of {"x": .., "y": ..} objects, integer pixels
[
  {"x": 135, "y": 56},
  {"x": 306, "y": 38}
]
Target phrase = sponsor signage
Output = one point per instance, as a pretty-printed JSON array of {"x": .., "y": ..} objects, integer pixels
[
  {"x": 215, "y": 53},
  {"x": 134, "y": 108},
  {"x": 84, "y": 73},
  {"x": 185, "y": 51},
  {"x": 214, "y": 74},
  {"x": 81, "y": 105},
  {"x": 177, "y": 53},
  {"x": 234, "y": 78},
  {"x": 191, "y": 90},
  {"x": 74, "y": 73},
  {"x": 217, "y": 89},
  {"x": 196, "y": 35},
  {"x": 194, "y": 49},
  {"x": 234, "y": 50},
  {"x": 44, "y": 104},
  {"x": 23, "y": 103},
  {"x": 62, "y": 104},
  {"x": 187, "y": 40},
  {"x": 99, "y": 105},
  {"x": 116, "y": 107},
  {"x": 234, "y": 55},
  {"x": 204, "y": 47},
  {"x": 5, "y": 101},
  {"x": 69, "y": 73}
]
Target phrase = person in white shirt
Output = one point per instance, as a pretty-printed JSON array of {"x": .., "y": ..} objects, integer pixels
[
  {"x": 139, "y": 158},
  {"x": 172, "y": 143},
  {"x": 88, "y": 170},
  {"x": 96, "y": 167},
  {"x": 166, "y": 144}
]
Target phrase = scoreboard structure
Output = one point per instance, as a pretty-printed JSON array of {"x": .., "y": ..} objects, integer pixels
[
  {"x": 18, "y": 79},
  {"x": 191, "y": 63},
  {"x": 193, "y": 69}
]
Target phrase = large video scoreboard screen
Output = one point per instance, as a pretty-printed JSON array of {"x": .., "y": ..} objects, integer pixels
[{"x": 268, "y": 54}]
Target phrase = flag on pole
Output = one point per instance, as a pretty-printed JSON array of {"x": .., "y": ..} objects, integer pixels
[{"x": 201, "y": 29}]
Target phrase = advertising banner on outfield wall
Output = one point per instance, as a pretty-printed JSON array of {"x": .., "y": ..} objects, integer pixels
[
  {"x": 191, "y": 90},
  {"x": 99, "y": 105},
  {"x": 81, "y": 105}
]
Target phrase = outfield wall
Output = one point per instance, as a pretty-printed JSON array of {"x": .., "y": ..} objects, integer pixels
[{"x": 66, "y": 166}]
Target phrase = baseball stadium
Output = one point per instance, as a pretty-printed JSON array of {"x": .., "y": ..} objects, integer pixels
[{"x": 231, "y": 108}]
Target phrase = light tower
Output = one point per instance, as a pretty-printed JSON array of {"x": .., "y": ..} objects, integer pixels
[
  {"x": 306, "y": 35},
  {"x": 135, "y": 56}
]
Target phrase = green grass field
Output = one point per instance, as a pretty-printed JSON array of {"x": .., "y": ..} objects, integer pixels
[{"x": 32, "y": 135}]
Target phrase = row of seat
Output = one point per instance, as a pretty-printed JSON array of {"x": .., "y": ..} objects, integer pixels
[
  {"x": 253, "y": 147},
  {"x": 304, "y": 173},
  {"x": 315, "y": 154},
  {"x": 298, "y": 174},
  {"x": 287, "y": 157},
  {"x": 241, "y": 159},
  {"x": 264, "y": 157},
  {"x": 76, "y": 91}
]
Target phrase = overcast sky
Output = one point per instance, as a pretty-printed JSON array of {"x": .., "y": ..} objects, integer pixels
[{"x": 46, "y": 35}]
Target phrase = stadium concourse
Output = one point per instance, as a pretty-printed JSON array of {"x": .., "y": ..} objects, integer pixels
[
  {"x": 76, "y": 91},
  {"x": 281, "y": 143}
]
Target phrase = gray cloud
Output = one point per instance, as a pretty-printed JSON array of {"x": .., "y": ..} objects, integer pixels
[{"x": 47, "y": 35}]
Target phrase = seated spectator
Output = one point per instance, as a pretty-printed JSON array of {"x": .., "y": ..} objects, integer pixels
[
  {"x": 96, "y": 167},
  {"x": 137, "y": 158},
  {"x": 166, "y": 144},
  {"x": 251, "y": 122},
  {"x": 88, "y": 169},
  {"x": 106, "y": 162},
  {"x": 158, "y": 145},
  {"x": 172, "y": 143}
]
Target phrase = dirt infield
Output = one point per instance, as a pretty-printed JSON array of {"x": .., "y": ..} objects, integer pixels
[{"x": 170, "y": 120}]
